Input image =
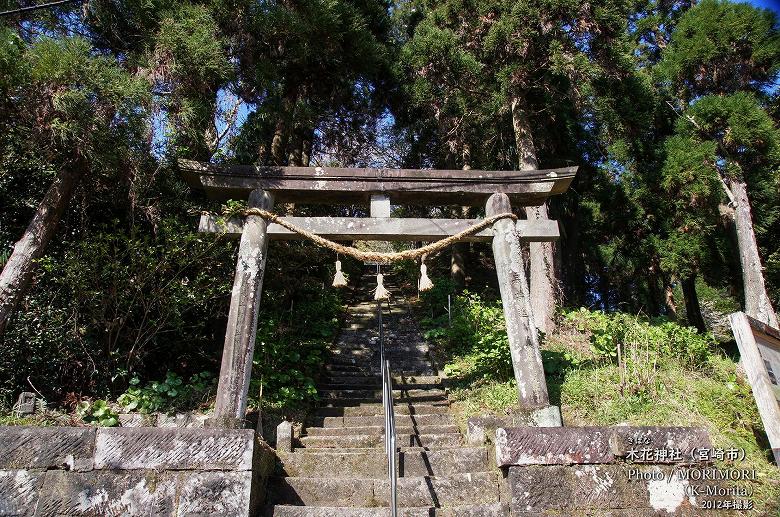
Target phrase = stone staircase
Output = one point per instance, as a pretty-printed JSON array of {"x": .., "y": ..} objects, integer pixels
[{"x": 339, "y": 467}]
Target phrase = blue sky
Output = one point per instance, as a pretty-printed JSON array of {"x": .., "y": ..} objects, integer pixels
[{"x": 769, "y": 4}]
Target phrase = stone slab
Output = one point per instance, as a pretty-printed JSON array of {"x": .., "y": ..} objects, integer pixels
[
  {"x": 484, "y": 510},
  {"x": 594, "y": 445},
  {"x": 460, "y": 489},
  {"x": 46, "y": 447},
  {"x": 174, "y": 448},
  {"x": 370, "y": 463},
  {"x": 652, "y": 444},
  {"x": 137, "y": 420},
  {"x": 284, "y": 437},
  {"x": 105, "y": 494},
  {"x": 19, "y": 490},
  {"x": 347, "y": 185},
  {"x": 382, "y": 228},
  {"x": 145, "y": 493},
  {"x": 549, "y": 416},
  {"x": 584, "y": 489},
  {"x": 552, "y": 446},
  {"x": 481, "y": 429},
  {"x": 215, "y": 493}
]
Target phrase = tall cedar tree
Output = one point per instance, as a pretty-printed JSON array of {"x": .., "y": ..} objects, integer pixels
[
  {"x": 725, "y": 145},
  {"x": 482, "y": 69},
  {"x": 83, "y": 112}
]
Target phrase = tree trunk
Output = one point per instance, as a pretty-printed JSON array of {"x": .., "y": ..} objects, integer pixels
[
  {"x": 458, "y": 266},
  {"x": 307, "y": 147},
  {"x": 671, "y": 306},
  {"x": 692, "y": 307},
  {"x": 278, "y": 143},
  {"x": 282, "y": 129},
  {"x": 295, "y": 157},
  {"x": 458, "y": 256},
  {"x": 605, "y": 290},
  {"x": 757, "y": 302},
  {"x": 17, "y": 273},
  {"x": 572, "y": 263},
  {"x": 542, "y": 255},
  {"x": 653, "y": 297}
]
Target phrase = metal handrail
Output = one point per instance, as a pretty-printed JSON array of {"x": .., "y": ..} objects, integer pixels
[{"x": 387, "y": 404}]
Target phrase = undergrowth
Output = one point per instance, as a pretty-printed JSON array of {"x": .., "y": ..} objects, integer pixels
[
  {"x": 607, "y": 369},
  {"x": 290, "y": 349}
]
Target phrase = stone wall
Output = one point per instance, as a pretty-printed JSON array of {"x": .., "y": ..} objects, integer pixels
[
  {"x": 83, "y": 471},
  {"x": 608, "y": 471}
]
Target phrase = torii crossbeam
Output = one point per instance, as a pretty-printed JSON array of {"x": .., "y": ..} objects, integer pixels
[{"x": 497, "y": 191}]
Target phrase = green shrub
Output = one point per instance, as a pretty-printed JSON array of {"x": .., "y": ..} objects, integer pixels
[
  {"x": 168, "y": 394},
  {"x": 433, "y": 302},
  {"x": 97, "y": 412},
  {"x": 476, "y": 335},
  {"x": 118, "y": 301},
  {"x": 640, "y": 347}
]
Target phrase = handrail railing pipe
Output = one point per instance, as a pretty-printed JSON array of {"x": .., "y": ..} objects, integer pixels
[{"x": 387, "y": 405}]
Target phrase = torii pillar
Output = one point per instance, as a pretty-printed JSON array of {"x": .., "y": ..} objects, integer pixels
[
  {"x": 520, "y": 329},
  {"x": 236, "y": 369}
]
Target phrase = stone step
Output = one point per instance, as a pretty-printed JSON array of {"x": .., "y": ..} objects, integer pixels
[
  {"x": 346, "y": 368},
  {"x": 411, "y": 368},
  {"x": 363, "y": 342},
  {"x": 373, "y": 463},
  {"x": 350, "y": 383},
  {"x": 380, "y": 429},
  {"x": 410, "y": 350},
  {"x": 482, "y": 510},
  {"x": 399, "y": 399},
  {"x": 363, "y": 375},
  {"x": 398, "y": 449},
  {"x": 354, "y": 352},
  {"x": 412, "y": 394},
  {"x": 373, "y": 409},
  {"x": 399, "y": 359},
  {"x": 368, "y": 324},
  {"x": 416, "y": 379},
  {"x": 373, "y": 385},
  {"x": 459, "y": 489},
  {"x": 379, "y": 420},
  {"x": 377, "y": 440},
  {"x": 356, "y": 341},
  {"x": 345, "y": 360}
]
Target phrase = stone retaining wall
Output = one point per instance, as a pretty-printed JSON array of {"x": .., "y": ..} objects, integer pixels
[
  {"x": 82, "y": 471},
  {"x": 607, "y": 471}
]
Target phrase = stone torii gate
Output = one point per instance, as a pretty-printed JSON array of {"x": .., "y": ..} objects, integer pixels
[{"x": 263, "y": 186}]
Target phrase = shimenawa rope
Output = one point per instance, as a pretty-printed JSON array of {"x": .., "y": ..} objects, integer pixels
[{"x": 374, "y": 256}]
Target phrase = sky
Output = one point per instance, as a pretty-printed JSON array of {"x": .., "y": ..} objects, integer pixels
[{"x": 769, "y": 4}]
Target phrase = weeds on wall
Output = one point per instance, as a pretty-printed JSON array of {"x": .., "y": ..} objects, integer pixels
[{"x": 169, "y": 394}]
